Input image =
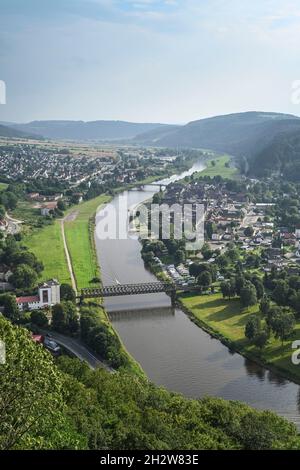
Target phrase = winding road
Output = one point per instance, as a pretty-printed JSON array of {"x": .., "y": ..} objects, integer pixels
[{"x": 78, "y": 349}]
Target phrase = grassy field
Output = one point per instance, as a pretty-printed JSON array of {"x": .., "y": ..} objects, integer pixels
[
  {"x": 227, "y": 319},
  {"x": 219, "y": 169},
  {"x": 47, "y": 245},
  {"x": 79, "y": 232}
]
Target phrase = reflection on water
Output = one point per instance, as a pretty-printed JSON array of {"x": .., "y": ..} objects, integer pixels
[
  {"x": 177, "y": 354},
  {"x": 141, "y": 314},
  {"x": 172, "y": 350}
]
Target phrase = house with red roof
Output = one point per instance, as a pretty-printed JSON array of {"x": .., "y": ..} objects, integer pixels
[{"x": 48, "y": 295}]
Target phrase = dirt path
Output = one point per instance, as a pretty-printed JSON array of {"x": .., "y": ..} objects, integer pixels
[{"x": 69, "y": 262}]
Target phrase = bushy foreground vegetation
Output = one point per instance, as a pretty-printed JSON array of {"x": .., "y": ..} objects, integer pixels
[
  {"x": 44, "y": 405},
  {"x": 98, "y": 334}
]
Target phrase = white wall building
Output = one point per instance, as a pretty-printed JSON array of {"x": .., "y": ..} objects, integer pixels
[{"x": 48, "y": 295}]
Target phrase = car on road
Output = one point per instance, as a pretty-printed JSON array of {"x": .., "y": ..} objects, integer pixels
[{"x": 52, "y": 346}]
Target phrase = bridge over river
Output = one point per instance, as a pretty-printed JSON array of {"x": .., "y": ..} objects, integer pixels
[
  {"x": 132, "y": 289},
  {"x": 144, "y": 186}
]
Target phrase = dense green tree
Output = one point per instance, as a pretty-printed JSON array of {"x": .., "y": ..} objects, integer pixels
[
  {"x": 280, "y": 293},
  {"x": 11, "y": 310},
  {"x": 210, "y": 228},
  {"x": 259, "y": 287},
  {"x": 233, "y": 254},
  {"x": 67, "y": 292},
  {"x": 253, "y": 260},
  {"x": 222, "y": 261},
  {"x": 206, "y": 251},
  {"x": 99, "y": 337},
  {"x": 61, "y": 205},
  {"x": 253, "y": 327},
  {"x": 59, "y": 318},
  {"x": 261, "y": 339},
  {"x": 148, "y": 417},
  {"x": 65, "y": 317},
  {"x": 26, "y": 257},
  {"x": 39, "y": 318},
  {"x": 172, "y": 246},
  {"x": 204, "y": 279},
  {"x": 9, "y": 200},
  {"x": 228, "y": 288},
  {"x": 283, "y": 324},
  {"x": 72, "y": 316},
  {"x": 24, "y": 277},
  {"x": 295, "y": 302},
  {"x": 32, "y": 409},
  {"x": 264, "y": 306},
  {"x": 294, "y": 282},
  {"x": 180, "y": 256},
  {"x": 239, "y": 283},
  {"x": 148, "y": 257},
  {"x": 195, "y": 269},
  {"x": 248, "y": 294}
]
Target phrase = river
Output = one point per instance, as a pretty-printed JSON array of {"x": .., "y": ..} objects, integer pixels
[{"x": 171, "y": 349}]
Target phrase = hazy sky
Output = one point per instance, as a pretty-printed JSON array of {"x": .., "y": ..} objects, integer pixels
[{"x": 147, "y": 60}]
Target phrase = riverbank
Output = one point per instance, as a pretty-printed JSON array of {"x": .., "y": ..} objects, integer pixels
[
  {"x": 79, "y": 224},
  {"x": 73, "y": 259},
  {"x": 225, "y": 320}
]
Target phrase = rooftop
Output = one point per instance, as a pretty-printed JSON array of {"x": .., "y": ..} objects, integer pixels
[
  {"x": 27, "y": 299},
  {"x": 49, "y": 283}
]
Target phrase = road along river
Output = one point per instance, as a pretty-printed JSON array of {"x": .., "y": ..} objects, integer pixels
[{"x": 172, "y": 350}]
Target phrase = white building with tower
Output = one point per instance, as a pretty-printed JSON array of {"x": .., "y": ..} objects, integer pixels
[{"x": 48, "y": 295}]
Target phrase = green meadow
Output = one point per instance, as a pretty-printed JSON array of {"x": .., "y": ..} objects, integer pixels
[
  {"x": 79, "y": 232},
  {"x": 219, "y": 167},
  {"x": 226, "y": 319},
  {"x": 47, "y": 245}
]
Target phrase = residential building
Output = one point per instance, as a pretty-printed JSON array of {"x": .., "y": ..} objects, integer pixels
[{"x": 48, "y": 295}]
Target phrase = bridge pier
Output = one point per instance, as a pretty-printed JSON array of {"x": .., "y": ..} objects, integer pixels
[{"x": 173, "y": 297}]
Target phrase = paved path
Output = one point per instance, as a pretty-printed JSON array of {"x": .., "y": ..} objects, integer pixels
[
  {"x": 13, "y": 225},
  {"x": 69, "y": 262}
]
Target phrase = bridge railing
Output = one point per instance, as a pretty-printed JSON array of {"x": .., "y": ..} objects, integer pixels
[{"x": 127, "y": 289}]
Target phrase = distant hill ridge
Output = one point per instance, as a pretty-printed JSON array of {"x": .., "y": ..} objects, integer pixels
[
  {"x": 92, "y": 130},
  {"x": 268, "y": 141},
  {"x": 10, "y": 132},
  {"x": 241, "y": 134}
]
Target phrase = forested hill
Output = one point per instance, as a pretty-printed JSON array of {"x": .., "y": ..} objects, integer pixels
[
  {"x": 92, "y": 130},
  {"x": 242, "y": 134},
  {"x": 6, "y": 131},
  {"x": 282, "y": 155},
  {"x": 65, "y": 405}
]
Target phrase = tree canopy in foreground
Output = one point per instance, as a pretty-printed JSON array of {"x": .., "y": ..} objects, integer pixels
[{"x": 66, "y": 405}]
